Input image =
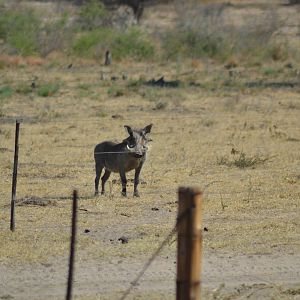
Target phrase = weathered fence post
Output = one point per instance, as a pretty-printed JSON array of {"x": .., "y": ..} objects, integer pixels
[
  {"x": 72, "y": 246},
  {"x": 189, "y": 249},
  {"x": 14, "y": 178}
]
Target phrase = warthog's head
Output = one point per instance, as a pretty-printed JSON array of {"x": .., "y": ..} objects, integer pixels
[{"x": 136, "y": 143}]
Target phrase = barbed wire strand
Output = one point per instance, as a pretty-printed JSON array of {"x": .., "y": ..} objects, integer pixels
[
  {"x": 197, "y": 115},
  {"x": 40, "y": 199},
  {"x": 156, "y": 253}
]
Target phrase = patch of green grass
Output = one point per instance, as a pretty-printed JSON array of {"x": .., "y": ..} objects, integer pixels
[
  {"x": 270, "y": 71},
  {"x": 5, "y": 92},
  {"x": 115, "y": 91},
  {"x": 84, "y": 86},
  {"x": 48, "y": 89},
  {"x": 133, "y": 83}
]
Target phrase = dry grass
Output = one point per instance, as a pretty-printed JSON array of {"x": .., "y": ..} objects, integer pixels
[{"x": 245, "y": 210}]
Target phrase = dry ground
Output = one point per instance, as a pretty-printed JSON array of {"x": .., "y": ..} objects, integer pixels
[{"x": 203, "y": 133}]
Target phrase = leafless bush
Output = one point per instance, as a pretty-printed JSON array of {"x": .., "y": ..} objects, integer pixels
[
  {"x": 54, "y": 36},
  {"x": 206, "y": 29}
]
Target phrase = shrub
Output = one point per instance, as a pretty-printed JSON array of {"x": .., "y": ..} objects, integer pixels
[
  {"x": 20, "y": 30},
  {"x": 241, "y": 161},
  {"x": 92, "y": 15},
  {"x": 87, "y": 44},
  {"x": 203, "y": 32},
  {"x": 195, "y": 44},
  {"x": 56, "y": 35},
  {"x": 129, "y": 44},
  {"x": 48, "y": 89},
  {"x": 132, "y": 43},
  {"x": 5, "y": 92}
]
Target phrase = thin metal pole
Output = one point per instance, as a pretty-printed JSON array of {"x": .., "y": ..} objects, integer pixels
[
  {"x": 189, "y": 249},
  {"x": 14, "y": 178},
  {"x": 72, "y": 247}
]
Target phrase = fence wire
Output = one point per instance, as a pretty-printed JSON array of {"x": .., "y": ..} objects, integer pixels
[{"x": 183, "y": 215}]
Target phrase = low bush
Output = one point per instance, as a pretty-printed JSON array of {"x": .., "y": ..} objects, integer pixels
[
  {"x": 129, "y": 44},
  {"x": 92, "y": 15},
  {"x": 55, "y": 35},
  {"x": 19, "y": 29},
  {"x": 5, "y": 92},
  {"x": 48, "y": 89},
  {"x": 195, "y": 44}
]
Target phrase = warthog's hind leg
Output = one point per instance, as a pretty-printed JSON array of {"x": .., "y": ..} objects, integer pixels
[{"x": 104, "y": 179}]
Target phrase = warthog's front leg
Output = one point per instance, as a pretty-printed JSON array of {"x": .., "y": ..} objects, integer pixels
[
  {"x": 99, "y": 168},
  {"x": 137, "y": 180},
  {"x": 124, "y": 182}
]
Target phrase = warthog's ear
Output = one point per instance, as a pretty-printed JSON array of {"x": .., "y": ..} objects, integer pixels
[
  {"x": 147, "y": 129},
  {"x": 129, "y": 130}
]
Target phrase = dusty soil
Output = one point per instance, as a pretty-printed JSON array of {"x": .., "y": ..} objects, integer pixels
[{"x": 235, "y": 137}]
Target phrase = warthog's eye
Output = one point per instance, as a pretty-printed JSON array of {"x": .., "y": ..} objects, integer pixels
[{"x": 130, "y": 146}]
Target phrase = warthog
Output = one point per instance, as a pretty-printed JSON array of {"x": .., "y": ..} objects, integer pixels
[{"x": 122, "y": 157}]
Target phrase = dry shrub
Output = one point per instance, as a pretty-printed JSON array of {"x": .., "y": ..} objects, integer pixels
[
  {"x": 17, "y": 60},
  {"x": 11, "y": 60},
  {"x": 34, "y": 61},
  {"x": 197, "y": 64},
  {"x": 204, "y": 31}
]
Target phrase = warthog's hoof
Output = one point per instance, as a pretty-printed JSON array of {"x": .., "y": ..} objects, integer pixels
[
  {"x": 96, "y": 194},
  {"x": 136, "y": 194},
  {"x": 124, "y": 194}
]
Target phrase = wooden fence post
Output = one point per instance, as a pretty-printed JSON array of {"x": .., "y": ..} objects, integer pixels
[
  {"x": 14, "y": 178},
  {"x": 72, "y": 247},
  {"x": 189, "y": 248}
]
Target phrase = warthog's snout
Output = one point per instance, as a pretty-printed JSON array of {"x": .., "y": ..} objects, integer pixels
[{"x": 122, "y": 157}]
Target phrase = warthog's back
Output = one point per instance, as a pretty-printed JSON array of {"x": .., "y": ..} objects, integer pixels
[
  {"x": 104, "y": 147},
  {"x": 113, "y": 156}
]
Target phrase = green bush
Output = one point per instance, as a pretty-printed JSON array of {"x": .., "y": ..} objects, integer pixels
[
  {"x": 5, "y": 92},
  {"x": 48, "y": 89},
  {"x": 92, "y": 15},
  {"x": 90, "y": 44},
  {"x": 129, "y": 44},
  {"x": 132, "y": 43},
  {"x": 195, "y": 44},
  {"x": 20, "y": 30}
]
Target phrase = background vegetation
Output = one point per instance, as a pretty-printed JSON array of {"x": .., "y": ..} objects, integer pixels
[{"x": 200, "y": 33}]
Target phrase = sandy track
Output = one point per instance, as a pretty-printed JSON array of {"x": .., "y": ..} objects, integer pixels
[{"x": 223, "y": 276}]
